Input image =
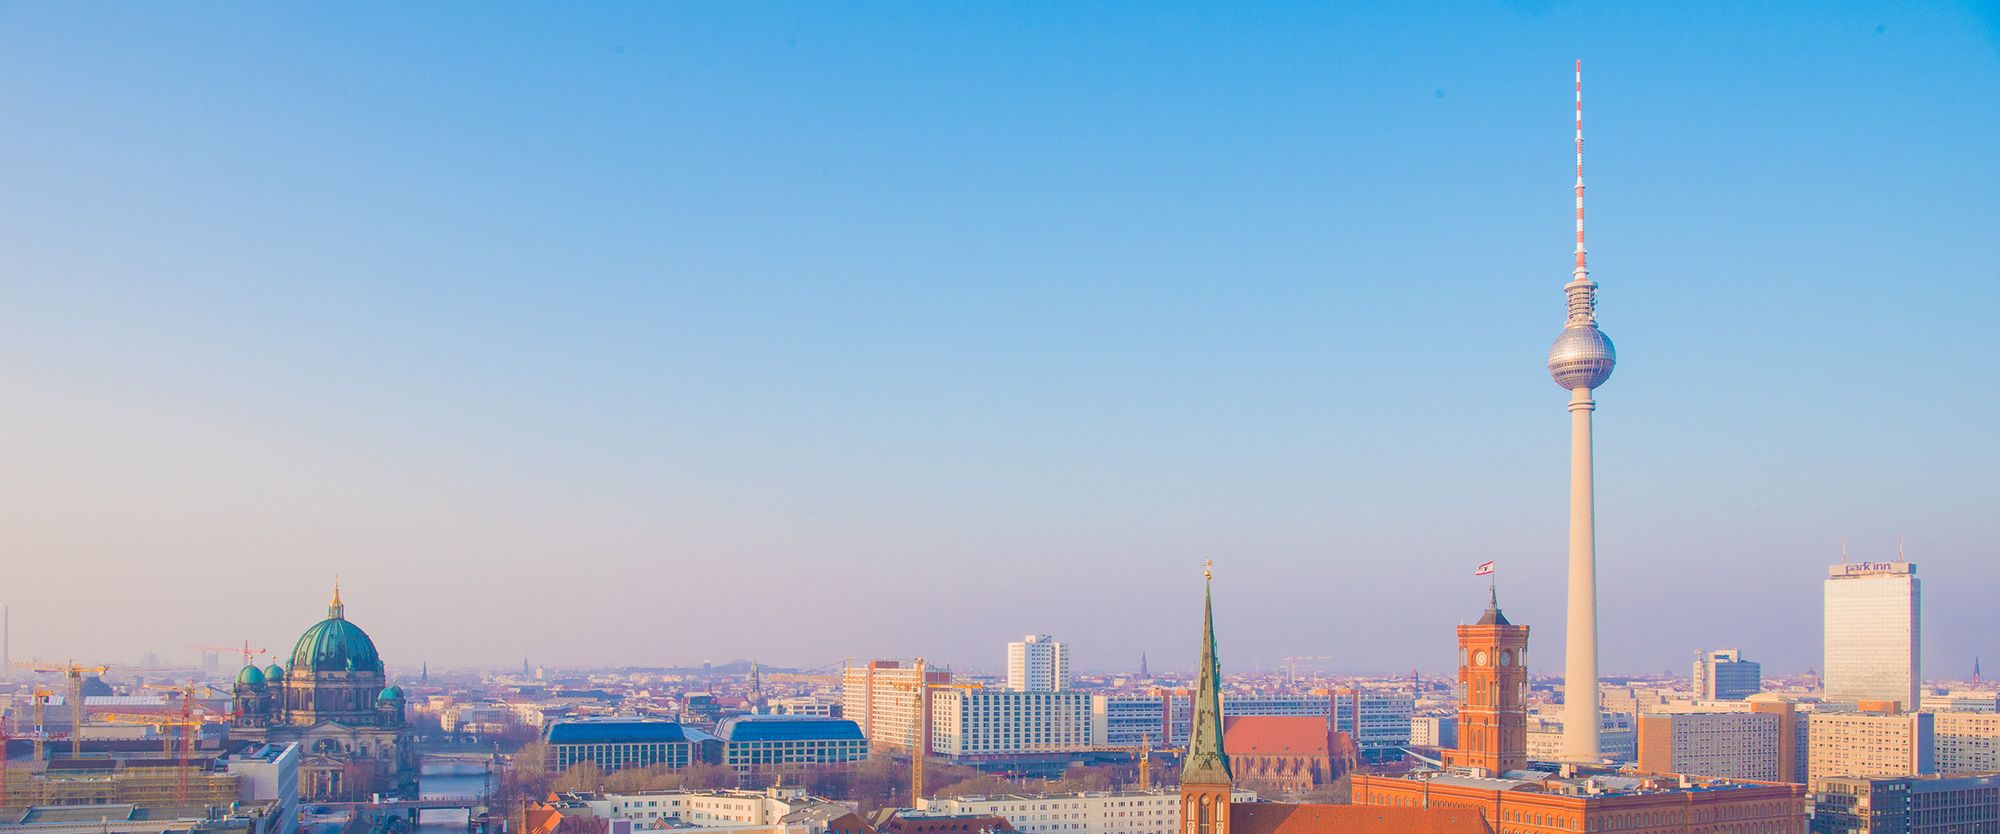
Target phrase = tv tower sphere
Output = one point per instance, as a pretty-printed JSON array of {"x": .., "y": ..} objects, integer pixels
[{"x": 1582, "y": 357}]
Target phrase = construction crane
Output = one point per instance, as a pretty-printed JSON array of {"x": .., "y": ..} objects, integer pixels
[
  {"x": 41, "y": 697},
  {"x": 74, "y": 672},
  {"x": 6, "y": 736},
  {"x": 249, "y": 654},
  {"x": 1292, "y": 666},
  {"x": 189, "y": 723},
  {"x": 922, "y": 743},
  {"x": 1146, "y": 762}
]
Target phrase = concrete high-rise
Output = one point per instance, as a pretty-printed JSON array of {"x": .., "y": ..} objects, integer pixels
[
  {"x": 1581, "y": 360},
  {"x": 1038, "y": 663},
  {"x": 1874, "y": 627},
  {"x": 1723, "y": 675},
  {"x": 886, "y": 697}
]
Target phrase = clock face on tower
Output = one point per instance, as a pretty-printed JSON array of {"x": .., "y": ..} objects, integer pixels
[
  {"x": 1506, "y": 658},
  {"x": 1479, "y": 658}
]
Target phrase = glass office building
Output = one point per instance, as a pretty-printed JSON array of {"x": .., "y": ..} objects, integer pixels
[{"x": 1873, "y": 627}]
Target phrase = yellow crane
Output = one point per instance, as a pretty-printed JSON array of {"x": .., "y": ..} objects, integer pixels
[
  {"x": 189, "y": 722},
  {"x": 922, "y": 741},
  {"x": 1146, "y": 762},
  {"x": 74, "y": 672}
]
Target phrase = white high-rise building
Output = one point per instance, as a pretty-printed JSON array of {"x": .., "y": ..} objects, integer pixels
[
  {"x": 1874, "y": 626},
  {"x": 1037, "y": 663}
]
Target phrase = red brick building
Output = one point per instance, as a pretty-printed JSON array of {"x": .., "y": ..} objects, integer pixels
[
  {"x": 1486, "y": 780},
  {"x": 1280, "y": 754}
]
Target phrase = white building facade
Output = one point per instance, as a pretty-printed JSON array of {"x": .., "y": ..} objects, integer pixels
[
  {"x": 1038, "y": 663},
  {"x": 1966, "y": 742},
  {"x": 1617, "y": 739},
  {"x": 994, "y": 722},
  {"x": 1107, "y": 812}
]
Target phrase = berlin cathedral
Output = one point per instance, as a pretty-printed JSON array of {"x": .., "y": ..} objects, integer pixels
[{"x": 340, "y": 708}]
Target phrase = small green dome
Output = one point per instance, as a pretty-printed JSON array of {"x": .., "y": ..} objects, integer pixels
[
  {"x": 275, "y": 674},
  {"x": 391, "y": 692},
  {"x": 250, "y": 676}
]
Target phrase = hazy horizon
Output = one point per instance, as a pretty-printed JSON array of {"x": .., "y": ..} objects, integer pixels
[{"x": 649, "y": 334}]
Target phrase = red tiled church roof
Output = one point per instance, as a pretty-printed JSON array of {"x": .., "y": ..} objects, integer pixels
[
  {"x": 1275, "y": 735},
  {"x": 1280, "y": 818}
]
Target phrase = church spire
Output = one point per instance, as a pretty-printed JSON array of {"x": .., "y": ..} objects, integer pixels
[{"x": 1207, "y": 763}]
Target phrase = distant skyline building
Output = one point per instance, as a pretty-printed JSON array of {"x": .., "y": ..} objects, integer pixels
[
  {"x": 1378, "y": 721},
  {"x": 1874, "y": 633},
  {"x": 1038, "y": 663},
  {"x": 1580, "y": 360},
  {"x": 1723, "y": 675}
]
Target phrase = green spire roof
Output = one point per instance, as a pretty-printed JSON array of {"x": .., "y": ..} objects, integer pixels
[{"x": 1207, "y": 763}]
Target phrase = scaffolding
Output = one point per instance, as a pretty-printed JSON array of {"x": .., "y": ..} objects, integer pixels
[{"x": 144, "y": 785}]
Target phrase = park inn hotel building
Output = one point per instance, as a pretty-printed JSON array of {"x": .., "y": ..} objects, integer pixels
[{"x": 1874, "y": 627}]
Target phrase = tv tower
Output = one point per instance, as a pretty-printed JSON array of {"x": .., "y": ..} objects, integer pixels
[{"x": 1581, "y": 360}]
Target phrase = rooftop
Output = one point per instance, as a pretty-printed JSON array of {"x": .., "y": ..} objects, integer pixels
[
  {"x": 619, "y": 730},
  {"x": 787, "y": 728}
]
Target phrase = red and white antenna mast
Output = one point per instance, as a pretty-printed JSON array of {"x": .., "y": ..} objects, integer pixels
[
  {"x": 1581, "y": 271},
  {"x": 1581, "y": 290}
]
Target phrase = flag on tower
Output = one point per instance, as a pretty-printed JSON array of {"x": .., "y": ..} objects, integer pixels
[{"x": 1484, "y": 569}]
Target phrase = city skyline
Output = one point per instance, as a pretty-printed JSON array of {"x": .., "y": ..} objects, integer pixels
[{"x": 957, "y": 319}]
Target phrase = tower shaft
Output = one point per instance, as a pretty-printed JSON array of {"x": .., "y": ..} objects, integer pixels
[{"x": 1580, "y": 713}]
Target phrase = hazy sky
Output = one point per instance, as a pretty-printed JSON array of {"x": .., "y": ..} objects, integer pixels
[{"x": 667, "y": 332}]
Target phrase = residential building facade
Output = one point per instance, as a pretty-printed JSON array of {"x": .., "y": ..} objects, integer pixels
[
  {"x": 1107, "y": 812},
  {"x": 1730, "y": 745},
  {"x": 1871, "y": 744},
  {"x": 1966, "y": 742}
]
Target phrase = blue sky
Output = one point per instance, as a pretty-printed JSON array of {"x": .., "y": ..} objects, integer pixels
[{"x": 661, "y": 333}]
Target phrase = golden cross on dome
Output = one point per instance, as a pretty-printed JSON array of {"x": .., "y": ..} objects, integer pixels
[{"x": 1208, "y": 569}]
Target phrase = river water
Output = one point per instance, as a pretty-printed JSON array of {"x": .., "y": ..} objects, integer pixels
[{"x": 448, "y": 780}]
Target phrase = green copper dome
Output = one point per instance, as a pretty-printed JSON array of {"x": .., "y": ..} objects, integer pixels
[
  {"x": 275, "y": 673},
  {"x": 250, "y": 676},
  {"x": 390, "y": 693},
  {"x": 335, "y": 645}
]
